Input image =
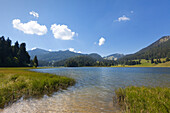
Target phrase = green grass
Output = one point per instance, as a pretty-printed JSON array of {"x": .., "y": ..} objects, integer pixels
[
  {"x": 20, "y": 82},
  {"x": 147, "y": 63},
  {"x": 144, "y": 99}
]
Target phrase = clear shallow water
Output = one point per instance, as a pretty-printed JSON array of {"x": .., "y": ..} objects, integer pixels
[{"x": 94, "y": 89}]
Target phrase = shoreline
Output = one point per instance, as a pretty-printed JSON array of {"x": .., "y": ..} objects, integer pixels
[{"x": 22, "y": 82}]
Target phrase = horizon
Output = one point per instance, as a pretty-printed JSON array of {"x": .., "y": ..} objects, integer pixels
[
  {"x": 72, "y": 51},
  {"x": 102, "y": 27}
]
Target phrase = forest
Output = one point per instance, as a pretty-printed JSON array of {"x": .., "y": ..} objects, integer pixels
[
  {"x": 81, "y": 61},
  {"x": 15, "y": 55}
]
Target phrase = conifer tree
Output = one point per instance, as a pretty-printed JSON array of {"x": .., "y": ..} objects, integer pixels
[
  {"x": 23, "y": 55},
  {"x": 35, "y": 61}
]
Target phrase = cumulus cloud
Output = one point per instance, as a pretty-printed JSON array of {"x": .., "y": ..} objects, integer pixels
[
  {"x": 73, "y": 50},
  {"x": 31, "y": 27},
  {"x": 101, "y": 41},
  {"x": 79, "y": 52},
  {"x": 33, "y": 48},
  {"x": 62, "y": 32},
  {"x": 34, "y": 14},
  {"x": 123, "y": 18}
]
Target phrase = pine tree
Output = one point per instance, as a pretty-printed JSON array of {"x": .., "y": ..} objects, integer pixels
[
  {"x": 13, "y": 55},
  {"x": 167, "y": 59},
  {"x": 152, "y": 61},
  {"x": 23, "y": 55},
  {"x": 15, "y": 49},
  {"x": 35, "y": 61}
]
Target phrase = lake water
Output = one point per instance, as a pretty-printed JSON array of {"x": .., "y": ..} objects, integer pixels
[{"x": 94, "y": 89}]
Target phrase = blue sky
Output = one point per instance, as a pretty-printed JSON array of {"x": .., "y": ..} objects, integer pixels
[{"x": 88, "y": 26}]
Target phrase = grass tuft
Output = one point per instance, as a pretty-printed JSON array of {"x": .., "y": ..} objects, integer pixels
[
  {"x": 144, "y": 99},
  {"x": 16, "y": 83}
]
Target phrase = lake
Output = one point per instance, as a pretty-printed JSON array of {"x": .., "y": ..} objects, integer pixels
[{"x": 94, "y": 89}]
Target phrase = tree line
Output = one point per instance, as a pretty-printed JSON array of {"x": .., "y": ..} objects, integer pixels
[
  {"x": 14, "y": 55},
  {"x": 81, "y": 61},
  {"x": 156, "y": 61}
]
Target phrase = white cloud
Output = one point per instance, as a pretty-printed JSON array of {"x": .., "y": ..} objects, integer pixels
[
  {"x": 34, "y": 14},
  {"x": 79, "y": 52},
  {"x": 31, "y": 27},
  {"x": 50, "y": 50},
  {"x": 123, "y": 18},
  {"x": 101, "y": 41},
  {"x": 73, "y": 50},
  {"x": 131, "y": 11},
  {"x": 33, "y": 48},
  {"x": 62, "y": 32}
]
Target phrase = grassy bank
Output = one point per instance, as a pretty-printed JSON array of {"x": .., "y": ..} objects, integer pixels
[
  {"x": 20, "y": 82},
  {"x": 144, "y": 99}
]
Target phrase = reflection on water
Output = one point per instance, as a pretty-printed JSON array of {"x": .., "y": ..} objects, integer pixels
[{"x": 94, "y": 89}]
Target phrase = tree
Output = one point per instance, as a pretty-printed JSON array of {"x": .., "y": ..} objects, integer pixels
[
  {"x": 23, "y": 55},
  {"x": 71, "y": 63},
  {"x": 13, "y": 55},
  {"x": 167, "y": 59},
  {"x": 15, "y": 49},
  {"x": 159, "y": 60},
  {"x": 2, "y": 50},
  {"x": 139, "y": 61},
  {"x": 152, "y": 61},
  {"x": 35, "y": 61}
]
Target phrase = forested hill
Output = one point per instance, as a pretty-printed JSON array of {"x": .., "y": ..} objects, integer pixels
[
  {"x": 158, "y": 49},
  {"x": 37, "y": 52},
  {"x": 85, "y": 60},
  {"x": 55, "y": 58},
  {"x": 115, "y": 56},
  {"x": 50, "y": 56},
  {"x": 96, "y": 56}
]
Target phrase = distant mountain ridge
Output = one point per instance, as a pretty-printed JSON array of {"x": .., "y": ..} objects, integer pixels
[
  {"x": 158, "y": 49},
  {"x": 114, "y": 56},
  {"x": 49, "y": 57},
  {"x": 37, "y": 52},
  {"x": 96, "y": 56}
]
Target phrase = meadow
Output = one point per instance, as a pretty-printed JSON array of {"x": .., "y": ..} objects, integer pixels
[
  {"x": 147, "y": 63},
  {"x": 20, "y": 82},
  {"x": 143, "y": 99}
]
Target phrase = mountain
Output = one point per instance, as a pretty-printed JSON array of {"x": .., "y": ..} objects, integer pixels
[
  {"x": 38, "y": 52},
  {"x": 80, "y": 61},
  {"x": 57, "y": 56},
  {"x": 158, "y": 49},
  {"x": 85, "y": 60},
  {"x": 47, "y": 58},
  {"x": 114, "y": 56},
  {"x": 96, "y": 56},
  {"x": 51, "y": 55}
]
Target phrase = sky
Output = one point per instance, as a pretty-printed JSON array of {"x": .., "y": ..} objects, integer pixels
[{"x": 85, "y": 26}]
